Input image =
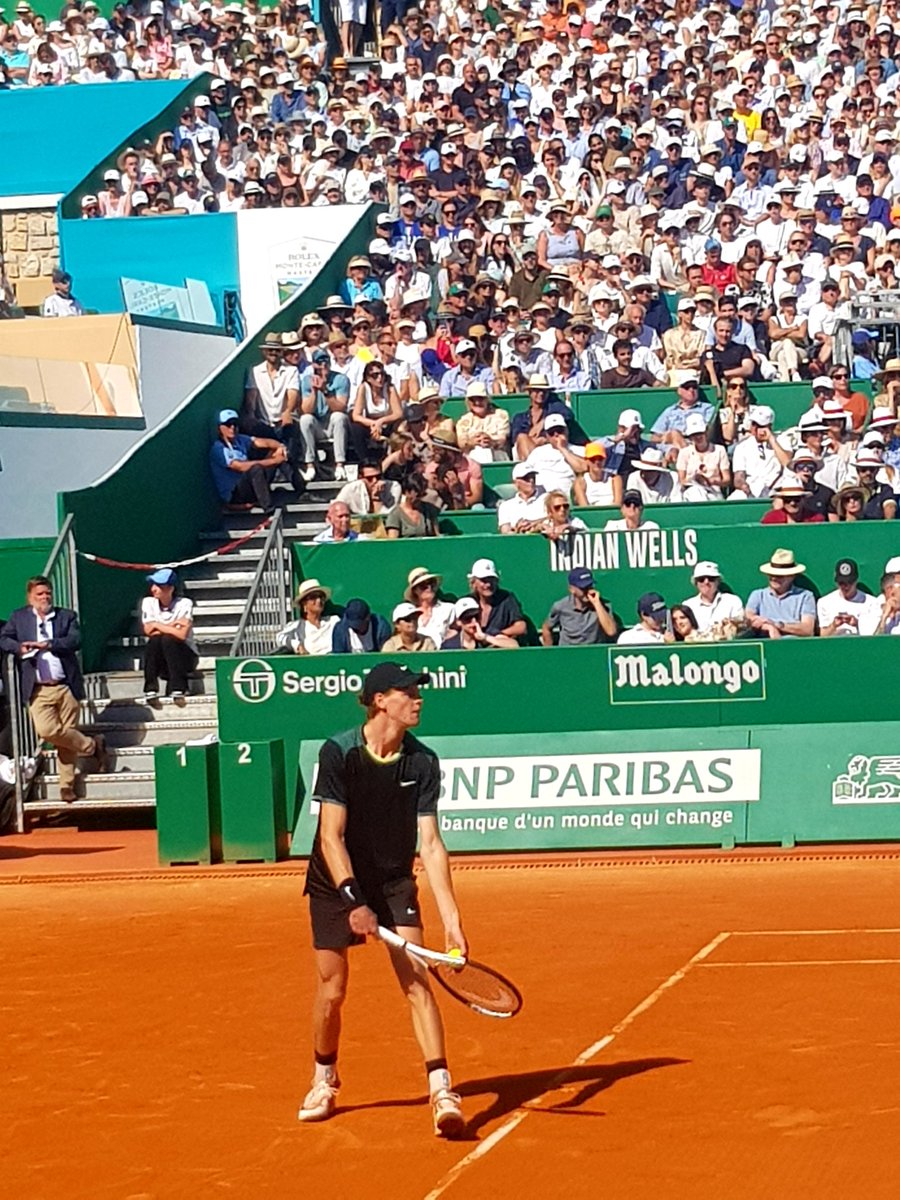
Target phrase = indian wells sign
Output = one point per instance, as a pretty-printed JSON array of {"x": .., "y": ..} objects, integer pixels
[{"x": 687, "y": 673}]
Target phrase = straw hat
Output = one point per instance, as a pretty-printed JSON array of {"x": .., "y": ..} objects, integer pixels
[
  {"x": 783, "y": 562},
  {"x": 890, "y": 367},
  {"x": 417, "y": 576},
  {"x": 309, "y": 587}
]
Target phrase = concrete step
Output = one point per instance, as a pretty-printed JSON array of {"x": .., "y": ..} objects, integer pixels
[
  {"x": 108, "y": 791},
  {"x": 300, "y": 528},
  {"x": 103, "y": 687},
  {"x": 130, "y": 658},
  {"x": 123, "y": 735},
  {"x": 128, "y": 757},
  {"x": 132, "y": 709},
  {"x": 52, "y": 805}
]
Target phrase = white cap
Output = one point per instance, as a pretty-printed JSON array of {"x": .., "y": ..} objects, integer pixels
[
  {"x": 407, "y": 198},
  {"x": 823, "y": 381},
  {"x": 629, "y": 417},
  {"x": 404, "y": 609},
  {"x": 686, "y": 304},
  {"x": 484, "y": 568},
  {"x": 464, "y": 344},
  {"x": 466, "y": 605},
  {"x": 694, "y": 423},
  {"x": 891, "y": 566},
  {"x": 761, "y": 414},
  {"x": 522, "y": 470},
  {"x": 284, "y": 77},
  {"x": 555, "y": 421},
  {"x": 706, "y": 568},
  {"x": 881, "y": 416}
]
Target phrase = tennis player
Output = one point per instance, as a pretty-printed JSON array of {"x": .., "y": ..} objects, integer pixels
[{"x": 377, "y": 787}]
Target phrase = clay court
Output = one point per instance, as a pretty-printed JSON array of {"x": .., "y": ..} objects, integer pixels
[{"x": 696, "y": 1026}]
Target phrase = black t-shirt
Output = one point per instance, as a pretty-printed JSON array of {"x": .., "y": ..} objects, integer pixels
[
  {"x": 725, "y": 359},
  {"x": 818, "y": 500},
  {"x": 447, "y": 181},
  {"x": 873, "y": 509},
  {"x": 505, "y": 609},
  {"x": 384, "y": 801}
]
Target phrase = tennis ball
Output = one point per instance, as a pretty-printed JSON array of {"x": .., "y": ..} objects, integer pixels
[{"x": 455, "y": 952}]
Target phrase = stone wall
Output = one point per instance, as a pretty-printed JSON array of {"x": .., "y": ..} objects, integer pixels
[{"x": 30, "y": 244}]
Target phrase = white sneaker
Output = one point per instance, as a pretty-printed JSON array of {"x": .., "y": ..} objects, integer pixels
[
  {"x": 446, "y": 1108},
  {"x": 340, "y": 471},
  {"x": 308, "y": 473},
  {"x": 321, "y": 1101}
]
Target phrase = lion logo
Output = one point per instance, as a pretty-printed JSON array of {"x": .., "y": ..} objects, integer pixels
[{"x": 868, "y": 780}]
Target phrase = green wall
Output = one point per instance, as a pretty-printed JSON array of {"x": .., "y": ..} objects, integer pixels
[
  {"x": 152, "y": 506},
  {"x": 20, "y": 558}
]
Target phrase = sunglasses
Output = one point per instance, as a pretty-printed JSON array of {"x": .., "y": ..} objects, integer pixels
[
  {"x": 704, "y": 578},
  {"x": 559, "y": 507}
]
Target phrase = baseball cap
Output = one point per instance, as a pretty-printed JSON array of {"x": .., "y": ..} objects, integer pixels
[
  {"x": 846, "y": 571},
  {"x": 761, "y": 414},
  {"x": 389, "y": 676},
  {"x": 633, "y": 496},
  {"x": 629, "y": 417},
  {"x": 226, "y": 415},
  {"x": 404, "y": 609},
  {"x": 823, "y": 381},
  {"x": 463, "y": 345},
  {"x": 522, "y": 470},
  {"x": 651, "y": 604},
  {"x": 163, "y": 577},
  {"x": 581, "y": 578},
  {"x": 694, "y": 423},
  {"x": 484, "y": 568},
  {"x": 594, "y": 450},
  {"x": 465, "y": 605},
  {"x": 555, "y": 421},
  {"x": 706, "y": 568}
]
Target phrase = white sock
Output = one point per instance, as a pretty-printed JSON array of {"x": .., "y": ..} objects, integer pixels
[
  {"x": 326, "y": 1072},
  {"x": 438, "y": 1079}
]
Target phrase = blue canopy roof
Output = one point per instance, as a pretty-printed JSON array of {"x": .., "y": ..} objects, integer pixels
[{"x": 52, "y": 137}]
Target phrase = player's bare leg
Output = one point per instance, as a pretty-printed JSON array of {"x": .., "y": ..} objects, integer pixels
[
  {"x": 332, "y": 971},
  {"x": 429, "y": 1030}
]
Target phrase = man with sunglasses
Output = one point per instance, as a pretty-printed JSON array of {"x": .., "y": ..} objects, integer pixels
[
  {"x": 370, "y": 492},
  {"x": 711, "y": 606}
]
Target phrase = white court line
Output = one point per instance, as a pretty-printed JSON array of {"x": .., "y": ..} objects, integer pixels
[
  {"x": 585, "y": 1056},
  {"x": 805, "y": 962},
  {"x": 805, "y": 932}
]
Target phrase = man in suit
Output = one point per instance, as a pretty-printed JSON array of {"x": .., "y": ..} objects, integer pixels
[{"x": 45, "y": 641}]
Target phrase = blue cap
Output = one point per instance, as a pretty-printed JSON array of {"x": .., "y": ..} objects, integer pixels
[
  {"x": 226, "y": 415},
  {"x": 581, "y": 578},
  {"x": 861, "y": 336},
  {"x": 163, "y": 577},
  {"x": 712, "y": 244},
  {"x": 320, "y": 356},
  {"x": 651, "y": 604}
]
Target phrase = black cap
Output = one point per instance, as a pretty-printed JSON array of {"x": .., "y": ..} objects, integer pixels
[
  {"x": 651, "y": 604},
  {"x": 846, "y": 571},
  {"x": 633, "y": 496},
  {"x": 388, "y": 676}
]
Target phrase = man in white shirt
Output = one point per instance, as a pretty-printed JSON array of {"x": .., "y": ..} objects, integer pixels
[
  {"x": 61, "y": 303},
  {"x": 519, "y": 512},
  {"x": 758, "y": 459},
  {"x": 848, "y": 610},
  {"x": 652, "y": 627},
  {"x": 711, "y": 606}
]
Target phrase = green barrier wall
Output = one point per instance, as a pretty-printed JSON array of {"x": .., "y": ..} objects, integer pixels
[
  {"x": 625, "y": 564},
  {"x": 154, "y": 503},
  {"x": 667, "y": 516},
  {"x": 763, "y": 685},
  {"x": 19, "y": 559}
]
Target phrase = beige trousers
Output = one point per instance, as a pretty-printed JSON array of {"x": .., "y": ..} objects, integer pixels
[{"x": 54, "y": 711}]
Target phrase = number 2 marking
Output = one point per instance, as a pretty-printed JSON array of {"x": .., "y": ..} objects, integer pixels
[{"x": 243, "y": 753}]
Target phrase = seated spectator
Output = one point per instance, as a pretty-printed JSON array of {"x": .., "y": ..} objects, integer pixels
[
  {"x": 313, "y": 631},
  {"x": 759, "y": 459},
  {"x": 650, "y": 477},
  {"x": 371, "y": 492},
  {"x": 580, "y": 618},
  {"x": 412, "y": 517},
  {"x": 597, "y": 487},
  {"x": 324, "y": 397},
  {"x": 789, "y": 339},
  {"x": 881, "y": 502},
  {"x": 624, "y": 374},
  {"x": 558, "y": 464},
  {"x": 626, "y": 445},
  {"x": 243, "y": 467},
  {"x": 376, "y": 411},
  {"x": 404, "y": 455},
  {"x": 558, "y": 522},
  {"x": 469, "y": 632},
  {"x": 669, "y": 426},
  {"x": 684, "y": 624},
  {"x": 718, "y": 614},
  {"x": 632, "y": 511},
  {"x": 482, "y": 432},
  {"x": 458, "y": 379},
  {"x": 789, "y": 504},
  {"x": 435, "y": 614},
  {"x": 847, "y": 503},
  {"x": 524, "y": 511},
  {"x": 167, "y": 621},
  {"x": 337, "y": 528},
  {"x": 528, "y": 429},
  {"x": 848, "y": 610},
  {"x": 499, "y": 610},
  {"x": 437, "y": 425},
  {"x": 782, "y": 609},
  {"x": 407, "y": 637},
  {"x": 890, "y": 598},
  {"x": 61, "y": 302},
  {"x": 726, "y": 358},
  {"x": 652, "y": 627},
  {"x": 359, "y": 630},
  {"x": 855, "y": 403},
  {"x": 703, "y": 468},
  {"x": 804, "y": 466},
  {"x": 565, "y": 375},
  {"x": 734, "y": 415},
  {"x": 684, "y": 344}
]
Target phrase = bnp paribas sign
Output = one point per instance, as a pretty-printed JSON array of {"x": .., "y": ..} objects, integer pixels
[{"x": 687, "y": 673}]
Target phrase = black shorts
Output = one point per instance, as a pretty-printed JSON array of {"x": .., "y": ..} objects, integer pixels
[{"x": 394, "y": 904}]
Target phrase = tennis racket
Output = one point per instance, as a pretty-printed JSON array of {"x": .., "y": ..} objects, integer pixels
[{"x": 482, "y": 988}]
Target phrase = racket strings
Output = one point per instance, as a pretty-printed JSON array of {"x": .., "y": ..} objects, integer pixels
[{"x": 481, "y": 987}]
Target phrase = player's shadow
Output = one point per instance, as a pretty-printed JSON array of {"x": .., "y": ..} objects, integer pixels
[{"x": 525, "y": 1089}]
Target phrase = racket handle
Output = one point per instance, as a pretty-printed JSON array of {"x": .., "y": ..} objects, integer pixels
[{"x": 392, "y": 938}]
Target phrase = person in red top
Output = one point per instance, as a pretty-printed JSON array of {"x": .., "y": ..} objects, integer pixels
[
  {"x": 554, "y": 20},
  {"x": 793, "y": 511},
  {"x": 716, "y": 273}
]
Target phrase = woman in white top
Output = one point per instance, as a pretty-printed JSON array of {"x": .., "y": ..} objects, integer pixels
[
  {"x": 435, "y": 615},
  {"x": 312, "y": 633},
  {"x": 166, "y": 621},
  {"x": 376, "y": 409},
  {"x": 596, "y": 488}
]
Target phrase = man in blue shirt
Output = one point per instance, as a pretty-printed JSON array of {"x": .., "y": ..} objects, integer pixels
[
  {"x": 455, "y": 381},
  {"x": 669, "y": 426},
  {"x": 286, "y": 102},
  {"x": 360, "y": 284},
  {"x": 782, "y": 609},
  {"x": 239, "y": 480},
  {"x": 324, "y": 399}
]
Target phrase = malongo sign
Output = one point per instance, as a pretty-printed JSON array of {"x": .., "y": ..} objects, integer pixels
[{"x": 655, "y": 674}]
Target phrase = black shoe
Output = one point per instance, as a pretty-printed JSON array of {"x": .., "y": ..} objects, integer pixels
[{"x": 298, "y": 483}]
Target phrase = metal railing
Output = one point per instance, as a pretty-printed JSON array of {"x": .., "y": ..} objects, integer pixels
[
  {"x": 62, "y": 570},
  {"x": 268, "y": 604}
]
